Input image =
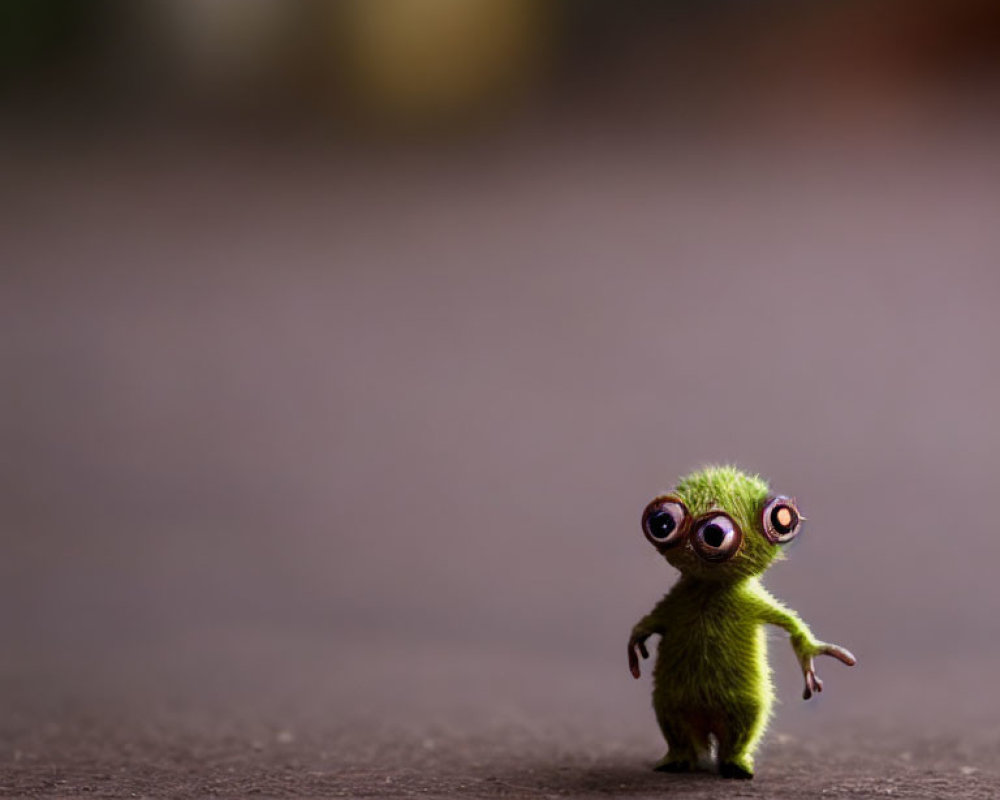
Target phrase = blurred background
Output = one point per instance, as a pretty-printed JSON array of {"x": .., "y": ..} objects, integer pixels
[{"x": 344, "y": 343}]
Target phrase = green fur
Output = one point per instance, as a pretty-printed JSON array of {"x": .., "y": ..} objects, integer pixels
[{"x": 712, "y": 677}]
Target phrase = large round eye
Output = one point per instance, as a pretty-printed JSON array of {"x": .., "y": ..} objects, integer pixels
[
  {"x": 781, "y": 519},
  {"x": 716, "y": 538},
  {"x": 665, "y": 521}
]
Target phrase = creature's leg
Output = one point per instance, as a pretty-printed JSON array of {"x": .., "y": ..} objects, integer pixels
[
  {"x": 684, "y": 740},
  {"x": 739, "y": 731}
]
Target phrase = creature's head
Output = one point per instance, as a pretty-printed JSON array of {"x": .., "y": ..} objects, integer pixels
[{"x": 721, "y": 524}]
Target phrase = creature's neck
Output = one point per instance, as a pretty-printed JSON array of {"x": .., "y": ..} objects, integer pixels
[{"x": 693, "y": 583}]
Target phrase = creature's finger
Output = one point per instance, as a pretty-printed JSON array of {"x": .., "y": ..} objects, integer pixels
[
  {"x": 839, "y": 653},
  {"x": 813, "y": 684},
  {"x": 633, "y": 661},
  {"x": 643, "y": 650}
]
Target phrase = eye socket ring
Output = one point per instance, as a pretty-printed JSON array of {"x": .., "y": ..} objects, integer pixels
[
  {"x": 716, "y": 537},
  {"x": 780, "y": 519},
  {"x": 665, "y": 522}
]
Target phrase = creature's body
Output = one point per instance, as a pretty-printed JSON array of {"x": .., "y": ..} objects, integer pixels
[{"x": 721, "y": 529}]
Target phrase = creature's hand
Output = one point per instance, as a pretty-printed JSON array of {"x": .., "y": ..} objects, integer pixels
[
  {"x": 805, "y": 654},
  {"x": 636, "y": 640}
]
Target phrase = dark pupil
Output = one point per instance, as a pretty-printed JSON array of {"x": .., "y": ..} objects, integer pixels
[
  {"x": 713, "y": 535},
  {"x": 776, "y": 522},
  {"x": 662, "y": 524}
]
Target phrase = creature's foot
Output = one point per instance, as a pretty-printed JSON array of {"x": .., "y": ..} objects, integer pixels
[
  {"x": 676, "y": 763},
  {"x": 742, "y": 770}
]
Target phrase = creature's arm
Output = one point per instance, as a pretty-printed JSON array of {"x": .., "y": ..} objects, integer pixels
[
  {"x": 805, "y": 645},
  {"x": 653, "y": 622}
]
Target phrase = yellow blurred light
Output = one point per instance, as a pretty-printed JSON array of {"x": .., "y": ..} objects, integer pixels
[{"x": 430, "y": 56}]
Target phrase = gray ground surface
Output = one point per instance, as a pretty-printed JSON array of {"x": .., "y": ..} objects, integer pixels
[
  {"x": 447, "y": 722},
  {"x": 235, "y": 766},
  {"x": 494, "y": 751}
]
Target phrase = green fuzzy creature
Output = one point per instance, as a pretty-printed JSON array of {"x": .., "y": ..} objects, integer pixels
[{"x": 721, "y": 528}]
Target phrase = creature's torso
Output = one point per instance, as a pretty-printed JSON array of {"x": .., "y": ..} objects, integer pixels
[{"x": 713, "y": 653}]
